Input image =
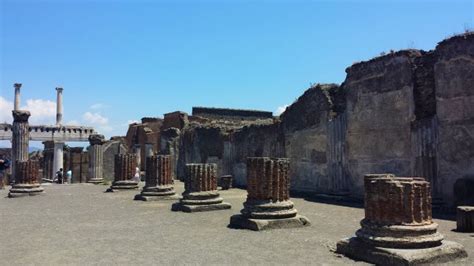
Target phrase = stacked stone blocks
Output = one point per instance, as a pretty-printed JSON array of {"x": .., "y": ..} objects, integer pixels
[
  {"x": 398, "y": 228},
  {"x": 268, "y": 205},
  {"x": 200, "y": 190},
  {"x": 125, "y": 169},
  {"x": 158, "y": 180}
]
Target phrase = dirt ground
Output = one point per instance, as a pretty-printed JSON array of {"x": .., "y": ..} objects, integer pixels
[{"x": 81, "y": 225}]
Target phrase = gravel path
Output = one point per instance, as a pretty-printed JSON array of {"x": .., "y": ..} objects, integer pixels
[{"x": 81, "y": 225}]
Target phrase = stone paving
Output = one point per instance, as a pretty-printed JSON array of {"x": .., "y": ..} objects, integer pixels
[{"x": 81, "y": 225}]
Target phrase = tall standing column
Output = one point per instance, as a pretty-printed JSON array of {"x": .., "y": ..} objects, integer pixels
[
  {"x": 58, "y": 157},
  {"x": 398, "y": 228},
  {"x": 158, "y": 180},
  {"x": 16, "y": 105},
  {"x": 59, "y": 106},
  {"x": 268, "y": 204},
  {"x": 96, "y": 159},
  {"x": 48, "y": 160},
  {"x": 20, "y": 137},
  {"x": 200, "y": 190},
  {"x": 24, "y": 171}
]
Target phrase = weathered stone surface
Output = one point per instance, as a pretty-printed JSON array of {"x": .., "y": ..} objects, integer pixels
[
  {"x": 158, "y": 180},
  {"x": 112, "y": 148},
  {"x": 125, "y": 169},
  {"x": 226, "y": 182},
  {"x": 26, "y": 179},
  {"x": 96, "y": 159},
  {"x": 465, "y": 219},
  {"x": 20, "y": 138},
  {"x": 170, "y": 144},
  {"x": 398, "y": 228},
  {"x": 200, "y": 190},
  {"x": 268, "y": 205},
  {"x": 454, "y": 81}
]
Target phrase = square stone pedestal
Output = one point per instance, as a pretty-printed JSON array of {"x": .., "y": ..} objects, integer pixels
[
  {"x": 156, "y": 198},
  {"x": 358, "y": 250},
  {"x": 240, "y": 222},
  {"x": 200, "y": 208}
]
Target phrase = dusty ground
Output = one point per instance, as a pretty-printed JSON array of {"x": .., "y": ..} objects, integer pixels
[{"x": 79, "y": 224}]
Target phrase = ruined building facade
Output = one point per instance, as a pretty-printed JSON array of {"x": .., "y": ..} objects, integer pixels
[{"x": 410, "y": 113}]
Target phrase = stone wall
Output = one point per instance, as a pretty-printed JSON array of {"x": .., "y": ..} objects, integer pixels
[
  {"x": 409, "y": 112},
  {"x": 454, "y": 86},
  {"x": 111, "y": 148}
]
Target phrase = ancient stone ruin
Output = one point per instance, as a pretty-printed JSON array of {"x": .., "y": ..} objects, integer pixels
[
  {"x": 398, "y": 228},
  {"x": 96, "y": 159},
  {"x": 465, "y": 219},
  {"x": 268, "y": 204},
  {"x": 200, "y": 190},
  {"x": 158, "y": 179},
  {"x": 125, "y": 170},
  {"x": 26, "y": 179},
  {"x": 411, "y": 105},
  {"x": 25, "y": 171}
]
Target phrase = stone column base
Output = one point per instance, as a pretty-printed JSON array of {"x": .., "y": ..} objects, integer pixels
[
  {"x": 22, "y": 190},
  {"x": 359, "y": 250},
  {"x": 241, "y": 222},
  {"x": 96, "y": 181},
  {"x": 122, "y": 185},
  {"x": 465, "y": 219},
  {"x": 200, "y": 202},
  {"x": 157, "y": 193}
]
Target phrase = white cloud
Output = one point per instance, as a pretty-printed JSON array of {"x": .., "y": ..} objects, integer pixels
[
  {"x": 281, "y": 109},
  {"x": 42, "y": 111},
  {"x": 95, "y": 119},
  {"x": 6, "y": 108},
  {"x": 97, "y": 106},
  {"x": 73, "y": 123}
]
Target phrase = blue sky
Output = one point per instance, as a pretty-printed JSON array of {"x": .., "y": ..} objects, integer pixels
[{"x": 121, "y": 60}]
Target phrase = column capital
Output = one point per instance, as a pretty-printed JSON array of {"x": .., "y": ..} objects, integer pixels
[
  {"x": 96, "y": 139},
  {"x": 20, "y": 115},
  {"x": 59, "y": 89},
  {"x": 17, "y": 85}
]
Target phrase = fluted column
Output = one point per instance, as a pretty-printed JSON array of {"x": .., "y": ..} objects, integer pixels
[
  {"x": 26, "y": 179},
  {"x": 268, "y": 205},
  {"x": 398, "y": 228},
  {"x": 96, "y": 158},
  {"x": 201, "y": 177},
  {"x": 158, "y": 179},
  {"x": 125, "y": 168},
  {"x": 200, "y": 189},
  {"x": 20, "y": 137}
]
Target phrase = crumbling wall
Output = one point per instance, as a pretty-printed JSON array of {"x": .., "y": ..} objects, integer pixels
[
  {"x": 111, "y": 148},
  {"x": 454, "y": 81},
  {"x": 305, "y": 126},
  {"x": 254, "y": 141},
  {"x": 379, "y": 109}
]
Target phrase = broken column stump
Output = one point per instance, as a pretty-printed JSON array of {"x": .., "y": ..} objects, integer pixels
[
  {"x": 96, "y": 159},
  {"x": 26, "y": 179},
  {"x": 268, "y": 205},
  {"x": 398, "y": 228},
  {"x": 226, "y": 182},
  {"x": 200, "y": 190},
  {"x": 465, "y": 219},
  {"x": 125, "y": 169},
  {"x": 158, "y": 180}
]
